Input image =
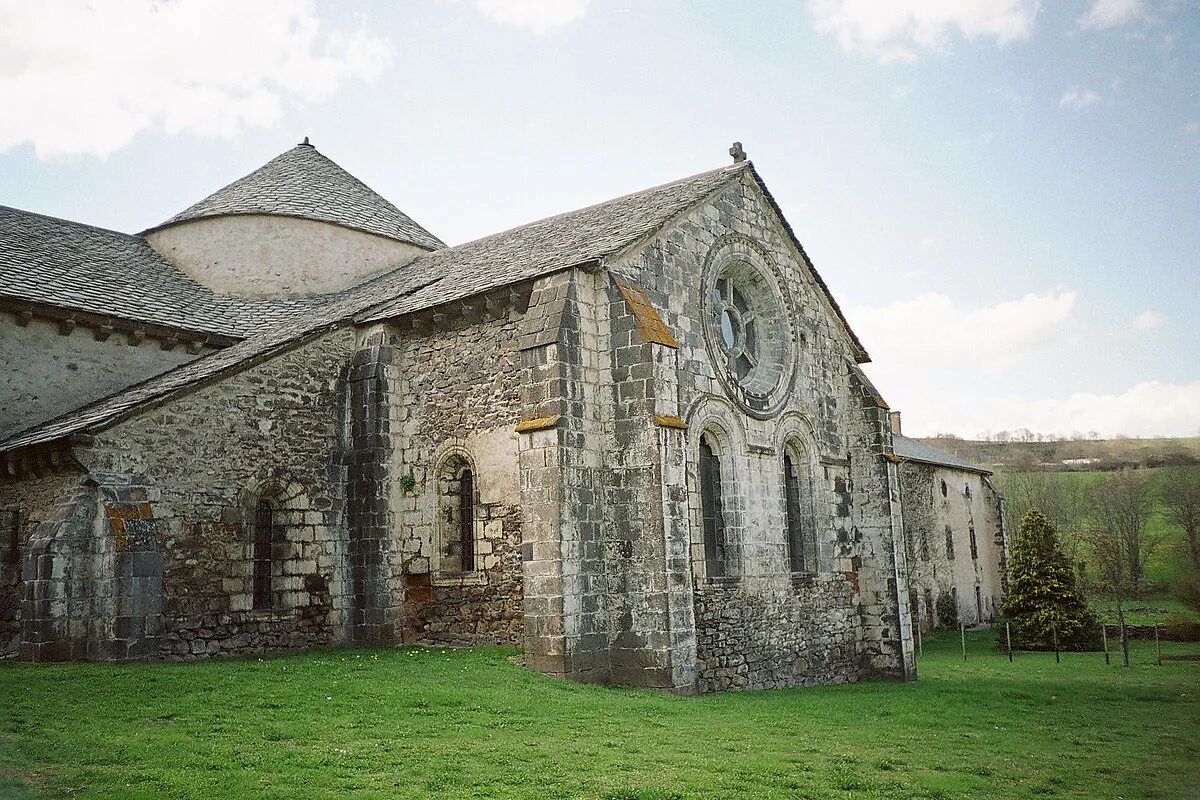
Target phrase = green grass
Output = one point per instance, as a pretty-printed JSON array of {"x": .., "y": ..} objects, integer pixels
[
  {"x": 469, "y": 723},
  {"x": 1144, "y": 611}
]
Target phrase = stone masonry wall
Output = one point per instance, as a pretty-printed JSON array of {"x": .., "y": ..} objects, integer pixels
[
  {"x": 751, "y": 637},
  {"x": 191, "y": 474},
  {"x": 28, "y": 503},
  {"x": 455, "y": 396}
]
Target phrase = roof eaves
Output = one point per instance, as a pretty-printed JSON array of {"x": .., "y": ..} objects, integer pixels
[{"x": 963, "y": 466}]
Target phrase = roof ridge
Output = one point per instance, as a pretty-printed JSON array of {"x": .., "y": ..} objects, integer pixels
[
  {"x": 304, "y": 183},
  {"x": 136, "y": 236},
  {"x": 731, "y": 169}
]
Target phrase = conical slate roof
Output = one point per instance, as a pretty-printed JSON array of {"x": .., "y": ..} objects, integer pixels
[{"x": 303, "y": 183}]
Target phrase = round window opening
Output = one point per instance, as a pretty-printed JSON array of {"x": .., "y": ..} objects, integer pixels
[{"x": 749, "y": 334}]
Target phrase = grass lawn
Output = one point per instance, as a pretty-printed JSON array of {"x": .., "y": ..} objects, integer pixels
[
  {"x": 1142, "y": 611},
  {"x": 468, "y": 723}
]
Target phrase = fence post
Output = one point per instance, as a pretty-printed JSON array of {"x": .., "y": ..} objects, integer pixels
[
  {"x": 1104, "y": 638},
  {"x": 1124, "y": 644},
  {"x": 1157, "y": 646},
  {"x": 1008, "y": 638},
  {"x": 1054, "y": 631},
  {"x": 962, "y": 632}
]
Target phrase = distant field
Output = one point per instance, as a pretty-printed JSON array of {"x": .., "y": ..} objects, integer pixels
[
  {"x": 1042, "y": 455},
  {"x": 413, "y": 723}
]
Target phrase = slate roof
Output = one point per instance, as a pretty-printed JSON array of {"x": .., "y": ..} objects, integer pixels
[
  {"x": 109, "y": 410},
  {"x": 70, "y": 265},
  {"x": 304, "y": 183},
  {"x": 434, "y": 278},
  {"x": 554, "y": 243},
  {"x": 916, "y": 450}
]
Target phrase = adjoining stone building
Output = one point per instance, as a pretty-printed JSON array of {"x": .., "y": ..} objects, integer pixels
[
  {"x": 634, "y": 439},
  {"x": 954, "y": 533}
]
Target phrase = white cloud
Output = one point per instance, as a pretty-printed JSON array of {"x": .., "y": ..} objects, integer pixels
[
  {"x": 898, "y": 30},
  {"x": 1147, "y": 320},
  {"x": 538, "y": 16},
  {"x": 922, "y": 335},
  {"x": 80, "y": 77},
  {"x": 1111, "y": 13},
  {"x": 1077, "y": 99}
]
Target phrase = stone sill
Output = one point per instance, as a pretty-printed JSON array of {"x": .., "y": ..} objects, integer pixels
[
  {"x": 723, "y": 581},
  {"x": 476, "y": 578}
]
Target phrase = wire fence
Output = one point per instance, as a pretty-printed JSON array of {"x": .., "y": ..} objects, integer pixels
[{"x": 1124, "y": 634}]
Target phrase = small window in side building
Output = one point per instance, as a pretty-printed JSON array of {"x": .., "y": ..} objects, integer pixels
[
  {"x": 967, "y": 490},
  {"x": 944, "y": 490},
  {"x": 456, "y": 545},
  {"x": 978, "y": 605},
  {"x": 974, "y": 547},
  {"x": 949, "y": 542},
  {"x": 466, "y": 519},
  {"x": 264, "y": 540}
]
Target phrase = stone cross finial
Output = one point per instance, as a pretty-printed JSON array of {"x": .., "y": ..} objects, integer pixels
[
  {"x": 739, "y": 155},
  {"x": 305, "y": 142}
]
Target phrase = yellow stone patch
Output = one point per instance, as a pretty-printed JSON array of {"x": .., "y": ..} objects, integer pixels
[
  {"x": 118, "y": 513},
  {"x": 649, "y": 322},
  {"x": 537, "y": 423}
]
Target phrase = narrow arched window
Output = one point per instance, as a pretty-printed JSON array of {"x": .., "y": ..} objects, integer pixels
[
  {"x": 710, "y": 507},
  {"x": 466, "y": 519},
  {"x": 454, "y": 542},
  {"x": 797, "y": 537},
  {"x": 264, "y": 538}
]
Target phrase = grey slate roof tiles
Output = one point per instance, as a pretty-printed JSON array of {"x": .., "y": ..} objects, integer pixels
[
  {"x": 554, "y": 243},
  {"x": 916, "y": 450},
  {"x": 69, "y": 265},
  {"x": 303, "y": 183},
  {"x": 103, "y": 412},
  {"x": 434, "y": 278}
]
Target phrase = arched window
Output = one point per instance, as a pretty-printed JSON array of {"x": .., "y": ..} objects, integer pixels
[
  {"x": 456, "y": 516},
  {"x": 466, "y": 519},
  {"x": 710, "y": 509},
  {"x": 264, "y": 540},
  {"x": 801, "y": 532},
  {"x": 799, "y": 509}
]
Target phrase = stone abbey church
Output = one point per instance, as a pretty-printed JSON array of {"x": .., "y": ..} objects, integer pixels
[{"x": 633, "y": 439}]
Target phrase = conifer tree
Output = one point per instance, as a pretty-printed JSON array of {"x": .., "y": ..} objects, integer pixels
[{"x": 1043, "y": 598}]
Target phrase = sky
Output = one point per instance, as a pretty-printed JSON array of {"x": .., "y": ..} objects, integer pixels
[{"x": 1003, "y": 195}]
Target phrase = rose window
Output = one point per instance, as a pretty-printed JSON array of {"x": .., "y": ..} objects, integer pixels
[{"x": 748, "y": 331}]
